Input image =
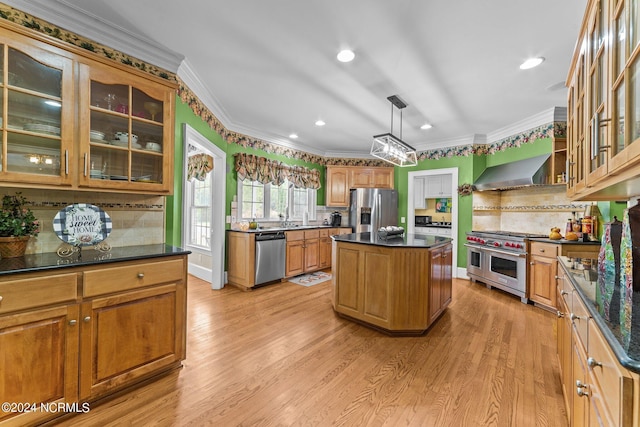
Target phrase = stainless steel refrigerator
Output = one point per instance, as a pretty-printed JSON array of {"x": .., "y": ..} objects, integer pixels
[{"x": 372, "y": 208}]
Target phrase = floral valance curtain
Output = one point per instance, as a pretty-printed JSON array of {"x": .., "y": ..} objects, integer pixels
[
  {"x": 268, "y": 171},
  {"x": 198, "y": 166}
]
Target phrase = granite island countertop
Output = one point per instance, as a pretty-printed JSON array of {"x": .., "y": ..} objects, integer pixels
[
  {"x": 51, "y": 260},
  {"x": 563, "y": 241},
  {"x": 583, "y": 274},
  {"x": 406, "y": 240}
]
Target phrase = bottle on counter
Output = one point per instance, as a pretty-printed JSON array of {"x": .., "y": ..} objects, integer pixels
[
  {"x": 569, "y": 227},
  {"x": 587, "y": 228}
]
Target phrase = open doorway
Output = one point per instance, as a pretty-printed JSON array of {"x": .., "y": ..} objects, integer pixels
[
  {"x": 203, "y": 202},
  {"x": 412, "y": 186}
]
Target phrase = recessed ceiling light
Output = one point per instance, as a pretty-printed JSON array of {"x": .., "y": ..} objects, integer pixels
[
  {"x": 426, "y": 126},
  {"x": 320, "y": 123},
  {"x": 531, "y": 62},
  {"x": 293, "y": 136},
  {"x": 346, "y": 55}
]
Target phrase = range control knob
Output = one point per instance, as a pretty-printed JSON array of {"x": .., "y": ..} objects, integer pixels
[{"x": 496, "y": 244}]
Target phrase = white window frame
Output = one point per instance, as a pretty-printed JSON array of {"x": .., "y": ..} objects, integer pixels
[
  {"x": 190, "y": 199},
  {"x": 311, "y": 203}
]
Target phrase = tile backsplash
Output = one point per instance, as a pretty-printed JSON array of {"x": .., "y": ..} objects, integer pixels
[
  {"x": 136, "y": 219},
  {"x": 530, "y": 209}
]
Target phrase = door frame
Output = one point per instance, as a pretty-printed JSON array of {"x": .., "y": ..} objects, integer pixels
[
  {"x": 454, "y": 206},
  {"x": 215, "y": 275}
]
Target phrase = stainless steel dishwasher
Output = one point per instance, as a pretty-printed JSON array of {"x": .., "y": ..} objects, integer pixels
[{"x": 270, "y": 256}]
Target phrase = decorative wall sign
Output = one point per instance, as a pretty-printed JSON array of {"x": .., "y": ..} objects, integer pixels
[{"x": 82, "y": 224}]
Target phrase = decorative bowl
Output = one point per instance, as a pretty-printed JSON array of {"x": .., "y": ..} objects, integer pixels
[{"x": 124, "y": 136}]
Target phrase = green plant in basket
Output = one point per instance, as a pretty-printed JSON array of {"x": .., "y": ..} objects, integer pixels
[{"x": 16, "y": 219}]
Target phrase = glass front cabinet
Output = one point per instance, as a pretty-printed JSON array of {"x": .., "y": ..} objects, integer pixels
[
  {"x": 69, "y": 120},
  {"x": 603, "y": 98}
]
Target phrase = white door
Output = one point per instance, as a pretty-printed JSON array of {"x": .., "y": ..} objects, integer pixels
[{"x": 203, "y": 202}]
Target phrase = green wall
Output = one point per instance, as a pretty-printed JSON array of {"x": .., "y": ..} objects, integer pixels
[{"x": 184, "y": 114}]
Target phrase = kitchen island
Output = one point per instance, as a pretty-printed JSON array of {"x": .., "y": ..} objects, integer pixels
[{"x": 399, "y": 285}]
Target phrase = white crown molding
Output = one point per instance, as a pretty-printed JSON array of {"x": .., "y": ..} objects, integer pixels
[
  {"x": 454, "y": 142},
  {"x": 190, "y": 78},
  {"x": 547, "y": 116},
  {"x": 76, "y": 20}
]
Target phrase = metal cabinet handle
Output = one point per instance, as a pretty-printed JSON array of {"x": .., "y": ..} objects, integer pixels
[
  {"x": 85, "y": 163},
  {"x": 541, "y": 250},
  {"x": 574, "y": 317},
  {"x": 580, "y": 384},
  {"x": 72, "y": 322},
  {"x": 559, "y": 313},
  {"x": 66, "y": 162},
  {"x": 580, "y": 391},
  {"x": 140, "y": 275},
  {"x": 0, "y": 298},
  {"x": 531, "y": 263},
  {"x": 87, "y": 319},
  {"x": 563, "y": 292},
  {"x": 593, "y": 362}
]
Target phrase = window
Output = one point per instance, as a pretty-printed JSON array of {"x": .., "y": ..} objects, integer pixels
[
  {"x": 269, "y": 201},
  {"x": 199, "y": 197}
]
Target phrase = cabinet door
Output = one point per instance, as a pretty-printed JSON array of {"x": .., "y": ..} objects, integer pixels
[
  {"x": 129, "y": 336},
  {"x": 383, "y": 178},
  {"x": 361, "y": 177},
  {"x": 337, "y": 193},
  {"x": 542, "y": 280},
  {"x": 311, "y": 254},
  {"x": 433, "y": 186},
  {"x": 126, "y": 131},
  {"x": 580, "y": 408},
  {"x": 37, "y": 114},
  {"x": 436, "y": 283},
  {"x": 294, "y": 258},
  {"x": 564, "y": 353},
  {"x": 447, "y": 281},
  {"x": 445, "y": 185},
  {"x": 40, "y": 359},
  {"x": 325, "y": 252},
  {"x": 419, "y": 201}
]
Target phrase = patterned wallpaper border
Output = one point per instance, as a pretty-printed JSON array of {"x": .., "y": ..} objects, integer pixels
[
  {"x": 199, "y": 109},
  {"x": 124, "y": 206},
  {"x": 21, "y": 18}
]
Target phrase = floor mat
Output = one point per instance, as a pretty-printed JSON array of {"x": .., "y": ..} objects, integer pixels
[{"x": 311, "y": 279}]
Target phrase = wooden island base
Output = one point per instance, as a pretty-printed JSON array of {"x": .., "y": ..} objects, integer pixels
[{"x": 400, "y": 288}]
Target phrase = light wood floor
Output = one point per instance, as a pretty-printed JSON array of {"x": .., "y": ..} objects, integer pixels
[{"x": 279, "y": 356}]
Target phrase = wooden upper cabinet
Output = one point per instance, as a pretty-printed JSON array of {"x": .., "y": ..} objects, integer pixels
[
  {"x": 37, "y": 118},
  {"x": 603, "y": 128},
  {"x": 126, "y": 131},
  {"x": 340, "y": 179},
  {"x": 73, "y": 119}
]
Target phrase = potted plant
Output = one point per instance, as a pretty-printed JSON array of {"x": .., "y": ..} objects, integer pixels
[{"x": 17, "y": 225}]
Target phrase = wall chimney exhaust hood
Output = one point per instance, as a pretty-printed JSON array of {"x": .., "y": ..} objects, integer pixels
[{"x": 522, "y": 173}]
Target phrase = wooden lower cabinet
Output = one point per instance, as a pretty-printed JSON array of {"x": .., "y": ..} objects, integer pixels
[
  {"x": 597, "y": 390},
  {"x": 241, "y": 259},
  {"x": 303, "y": 252},
  {"x": 543, "y": 268},
  {"x": 67, "y": 339},
  {"x": 370, "y": 287},
  {"x": 441, "y": 281}
]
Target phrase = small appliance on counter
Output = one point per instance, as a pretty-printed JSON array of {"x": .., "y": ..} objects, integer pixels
[
  {"x": 335, "y": 220},
  {"x": 422, "y": 220}
]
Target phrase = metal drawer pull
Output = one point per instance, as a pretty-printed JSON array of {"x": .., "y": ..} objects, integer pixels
[
  {"x": 541, "y": 250},
  {"x": 563, "y": 292},
  {"x": 72, "y": 322},
  {"x": 87, "y": 319},
  {"x": 574, "y": 317},
  {"x": 593, "y": 362},
  {"x": 140, "y": 275},
  {"x": 559, "y": 313},
  {"x": 0, "y": 298},
  {"x": 581, "y": 389}
]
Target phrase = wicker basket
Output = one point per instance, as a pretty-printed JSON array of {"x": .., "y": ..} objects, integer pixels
[{"x": 12, "y": 247}]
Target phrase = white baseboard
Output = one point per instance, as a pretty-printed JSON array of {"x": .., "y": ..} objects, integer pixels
[
  {"x": 462, "y": 273},
  {"x": 200, "y": 272}
]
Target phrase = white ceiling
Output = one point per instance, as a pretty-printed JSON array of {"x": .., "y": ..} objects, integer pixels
[{"x": 268, "y": 68}]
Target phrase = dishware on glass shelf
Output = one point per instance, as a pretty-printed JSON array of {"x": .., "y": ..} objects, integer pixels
[
  {"x": 124, "y": 136},
  {"x": 121, "y": 108},
  {"x": 111, "y": 99},
  {"x": 153, "y": 146},
  {"x": 153, "y": 108},
  {"x": 94, "y": 134}
]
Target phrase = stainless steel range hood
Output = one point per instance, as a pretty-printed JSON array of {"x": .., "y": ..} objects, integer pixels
[{"x": 522, "y": 173}]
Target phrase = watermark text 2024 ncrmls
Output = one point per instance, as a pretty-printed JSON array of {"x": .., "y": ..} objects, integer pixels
[{"x": 49, "y": 407}]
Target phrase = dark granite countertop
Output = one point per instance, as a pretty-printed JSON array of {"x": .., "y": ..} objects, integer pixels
[
  {"x": 406, "y": 240},
  {"x": 583, "y": 274},
  {"x": 433, "y": 225},
  {"x": 562, "y": 241},
  {"x": 51, "y": 260}
]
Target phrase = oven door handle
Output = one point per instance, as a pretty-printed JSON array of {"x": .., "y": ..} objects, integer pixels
[{"x": 518, "y": 255}]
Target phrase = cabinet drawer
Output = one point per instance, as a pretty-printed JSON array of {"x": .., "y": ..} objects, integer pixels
[
  {"x": 580, "y": 318},
  {"x": 548, "y": 250},
  {"x": 311, "y": 234},
  {"x": 115, "y": 279},
  {"x": 23, "y": 294},
  {"x": 294, "y": 235},
  {"x": 610, "y": 376},
  {"x": 324, "y": 232}
]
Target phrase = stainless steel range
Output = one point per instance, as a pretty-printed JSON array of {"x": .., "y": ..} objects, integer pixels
[{"x": 499, "y": 259}]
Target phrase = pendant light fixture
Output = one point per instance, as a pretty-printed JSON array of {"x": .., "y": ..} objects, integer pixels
[{"x": 389, "y": 147}]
